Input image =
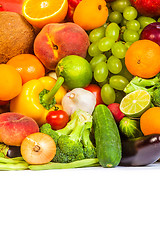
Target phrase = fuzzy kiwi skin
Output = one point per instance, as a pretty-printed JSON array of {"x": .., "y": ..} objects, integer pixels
[{"x": 16, "y": 36}]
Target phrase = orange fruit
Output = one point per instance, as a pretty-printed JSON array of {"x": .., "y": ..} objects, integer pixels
[
  {"x": 90, "y": 14},
  {"x": 10, "y": 82},
  {"x": 142, "y": 59},
  {"x": 149, "y": 121},
  {"x": 41, "y": 12},
  {"x": 28, "y": 66}
]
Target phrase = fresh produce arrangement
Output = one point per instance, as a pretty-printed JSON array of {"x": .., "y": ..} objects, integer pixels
[{"x": 79, "y": 83}]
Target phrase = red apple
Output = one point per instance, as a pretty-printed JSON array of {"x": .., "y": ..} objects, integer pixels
[
  {"x": 150, "y": 8},
  {"x": 151, "y": 32},
  {"x": 11, "y": 5}
]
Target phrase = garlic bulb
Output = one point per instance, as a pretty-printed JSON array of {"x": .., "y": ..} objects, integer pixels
[
  {"x": 53, "y": 75},
  {"x": 79, "y": 98}
]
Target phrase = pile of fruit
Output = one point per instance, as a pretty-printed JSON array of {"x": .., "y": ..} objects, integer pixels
[{"x": 79, "y": 83}]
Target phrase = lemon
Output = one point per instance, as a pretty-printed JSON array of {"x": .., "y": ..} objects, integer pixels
[{"x": 135, "y": 103}]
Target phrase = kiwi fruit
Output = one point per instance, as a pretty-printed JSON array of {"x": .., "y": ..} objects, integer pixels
[{"x": 16, "y": 36}]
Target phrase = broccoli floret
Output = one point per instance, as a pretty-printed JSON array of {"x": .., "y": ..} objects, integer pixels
[
  {"x": 46, "y": 128},
  {"x": 70, "y": 146},
  {"x": 149, "y": 85},
  {"x": 64, "y": 158},
  {"x": 71, "y": 143},
  {"x": 61, "y": 157}
]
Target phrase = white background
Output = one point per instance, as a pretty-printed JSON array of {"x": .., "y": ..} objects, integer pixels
[{"x": 89, "y": 203}]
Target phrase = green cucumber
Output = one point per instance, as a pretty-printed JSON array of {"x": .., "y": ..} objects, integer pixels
[{"x": 107, "y": 137}]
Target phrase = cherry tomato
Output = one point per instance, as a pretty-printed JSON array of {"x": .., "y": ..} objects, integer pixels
[
  {"x": 57, "y": 119},
  {"x": 96, "y": 90}
]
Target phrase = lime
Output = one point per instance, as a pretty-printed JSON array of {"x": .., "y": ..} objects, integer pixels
[
  {"x": 75, "y": 70},
  {"x": 135, "y": 103}
]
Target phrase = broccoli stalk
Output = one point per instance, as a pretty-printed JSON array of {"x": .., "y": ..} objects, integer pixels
[
  {"x": 148, "y": 85},
  {"x": 89, "y": 149},
  {"x": 70, "y": 125}
]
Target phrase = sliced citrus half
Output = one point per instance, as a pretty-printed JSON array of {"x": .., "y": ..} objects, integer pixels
[
  {"x": 135, "y": 103},
  {"x": 41, "y": 12}
]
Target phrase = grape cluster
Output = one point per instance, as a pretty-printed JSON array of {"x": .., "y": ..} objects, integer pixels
[{"x": 108, "y": 47}]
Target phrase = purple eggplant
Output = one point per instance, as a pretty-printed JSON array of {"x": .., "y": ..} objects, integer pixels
[
  {"x": 14, "y": 151},
  {"x": 140, "y": 151}
]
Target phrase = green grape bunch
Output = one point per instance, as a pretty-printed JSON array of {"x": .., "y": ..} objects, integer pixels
[{"x": 109, "y": 44}]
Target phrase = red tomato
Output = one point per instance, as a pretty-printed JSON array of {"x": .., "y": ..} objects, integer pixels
[
  {"x": 96, "y": 90},
  {"x": 57, "y": 119}
]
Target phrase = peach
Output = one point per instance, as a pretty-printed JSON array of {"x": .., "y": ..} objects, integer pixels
[
  {"x": 57, "y": 40},
  {"x": 14, "y": 127}
]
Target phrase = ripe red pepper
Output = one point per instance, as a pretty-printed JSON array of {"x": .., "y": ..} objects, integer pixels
[
  {"x": 72, "y": 4},
  {"x": 11, "y": 5},
  {"x": 96, "y": 90}
]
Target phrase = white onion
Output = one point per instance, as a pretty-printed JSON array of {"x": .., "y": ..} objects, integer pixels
[
  {"x": 38, "y": 148},
  {"x": 79, "y": 98}
]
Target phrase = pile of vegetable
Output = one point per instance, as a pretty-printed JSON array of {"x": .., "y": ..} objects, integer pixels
[{"x": 87, "y": 92}]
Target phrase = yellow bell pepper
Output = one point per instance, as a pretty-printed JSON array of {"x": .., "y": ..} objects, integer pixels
[{"x": 28, "y": 102}]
